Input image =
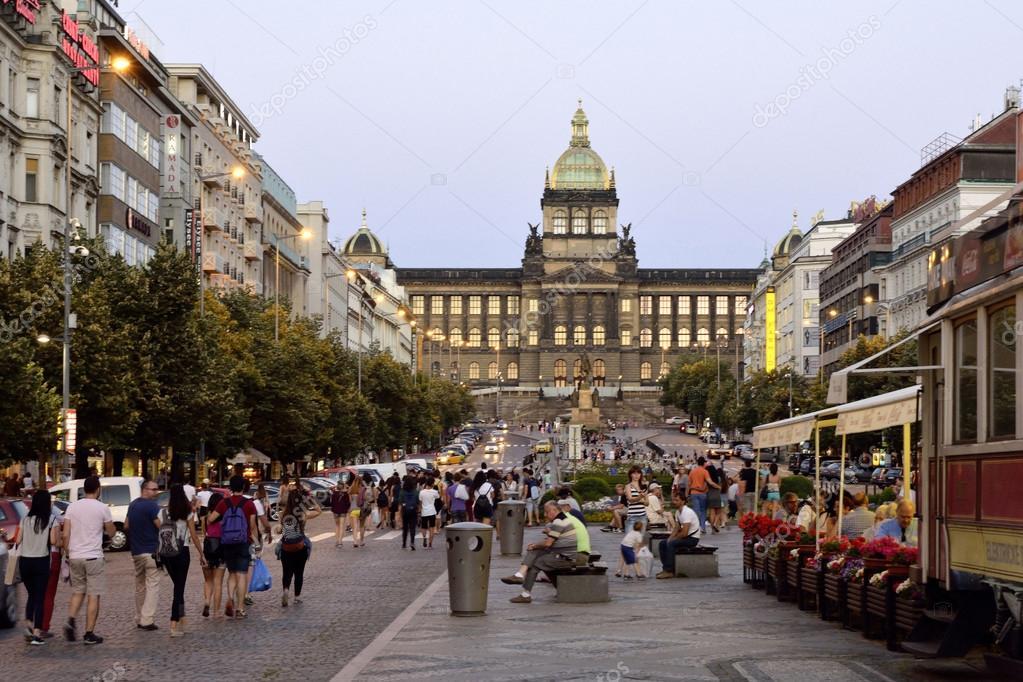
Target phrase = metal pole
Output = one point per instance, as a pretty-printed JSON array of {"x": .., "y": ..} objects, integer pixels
[
  {"x": 277, "y": 288},
  {"x": 66, "y": 369},
  {"x": 202, "y": 303},
  {"x": 360, "y": 342},
  {"x": 790, "y": 394}
]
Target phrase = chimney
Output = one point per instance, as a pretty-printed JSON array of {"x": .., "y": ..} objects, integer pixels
[{"x": 1012, "y": 97}]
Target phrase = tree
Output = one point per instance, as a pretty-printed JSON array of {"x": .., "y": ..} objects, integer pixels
[{"x": 688, "y": 387}]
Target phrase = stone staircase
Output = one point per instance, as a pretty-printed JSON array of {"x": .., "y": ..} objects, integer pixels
[{"x": 516, "y": 408}]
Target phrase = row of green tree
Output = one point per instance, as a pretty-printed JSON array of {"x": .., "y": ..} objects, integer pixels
[
  {"x": 763, "y": 397},
  {"x": 148, "y": 371}
]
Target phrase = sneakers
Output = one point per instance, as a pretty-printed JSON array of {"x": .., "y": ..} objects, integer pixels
[
  {"x": 149, "y": 628},
  {"x": 205, "y": 610},
  {"x": 180, "y": 632},
  {"x": 521, "y": 600},
  {"x": 91, "y": 638},
  {"x": 35, "y": 641},
  {"x": 665, "y": 574},
  {"x": 511, "y": 580},
  {"x": 607, "y": 529},
  {"x": 69, "y": 630},
  {"x": 284, "y": 599},
  {"x": 298, "y": 600}
]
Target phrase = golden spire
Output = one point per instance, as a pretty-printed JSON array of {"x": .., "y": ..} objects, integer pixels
[
  {"x": 364, "y": 219},
  {"x": 547, "y": 178},
  {"x": 611, "y": 182},
  {"x": 580, "y": 128},
  {"x": 795, "y": 220}
]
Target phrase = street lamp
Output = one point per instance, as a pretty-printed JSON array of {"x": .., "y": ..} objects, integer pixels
[
  {"x": 789, "y": 375},
  {"x": 326, "y": 303},
  {"x": 237, "y": 173},
  {"x": 664, "y": 349},
  {"x": 304, "y": 234}
]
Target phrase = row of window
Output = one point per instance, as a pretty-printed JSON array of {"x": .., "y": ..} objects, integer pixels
[
  {"x": 665, "y": 305},
  {"x": 1000, "y": 352},
  {"x": 117, "y": 122},
  {"x": 580, "y": 222},
  {"x": 511, "y": 371},
  {"x": 135, "y": 251},
  {"x": 596, "y": 337},
  {"x": 116, "y": 182}
]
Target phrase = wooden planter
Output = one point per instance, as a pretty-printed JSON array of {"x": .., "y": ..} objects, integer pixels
[
  {"x": 853, "y": 614},
  {"x": 875, "y": 617},
  {"x": 774, "y": 573},
  {"x": 759, "y": 567},
  {"x": 792, "y": 575},
  {"x": 807, "y": 599},
  {"x": 833, "y": 602},
  {"x": 786, "y": 568},
  {"x": 907, "y": 613},
  {"x": 747, "y": 564},
  {"x": 899, "y": 572}
]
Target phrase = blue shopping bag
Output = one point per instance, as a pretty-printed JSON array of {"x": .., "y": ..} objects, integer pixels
[{"x": 261, "y": 580}]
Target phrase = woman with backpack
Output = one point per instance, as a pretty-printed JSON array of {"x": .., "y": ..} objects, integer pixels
[
  {"x": 37, "y": 533},
  {"x": 340, "y": 505},
  {"x": 213, "y": 567},
  {"x": 294, "y": 545},
  {"x": 483, "y": 504},
  {"x": 409, "y": 500},
  {"x": 383, "y": 506},
  {"x": 177, "y": 526},
  {"x": 357, "y": 497}
]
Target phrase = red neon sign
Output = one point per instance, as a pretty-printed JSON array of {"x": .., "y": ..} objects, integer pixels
[
  {"x": 26, "y": 9},
  {"x": 79, "y": 48}
]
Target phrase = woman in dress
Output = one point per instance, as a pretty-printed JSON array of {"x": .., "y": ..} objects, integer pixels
[
  {"x": 179, "y": 515},
  {"x": 213, "y": 567},
  {"x": 340, "y": 505}
]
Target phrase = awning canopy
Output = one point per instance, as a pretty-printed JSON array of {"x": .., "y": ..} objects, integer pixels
[
  {"x": 838, "y": 384},
  {"x": 879, "y": 412},
  {"x": 786, "y": 431},
  {"x": 249, "y": 456}
]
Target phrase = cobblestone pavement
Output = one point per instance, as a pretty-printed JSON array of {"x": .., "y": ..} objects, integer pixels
[
  {"x": 350, "y": 595},
  {"x": 683, "y": 629}
]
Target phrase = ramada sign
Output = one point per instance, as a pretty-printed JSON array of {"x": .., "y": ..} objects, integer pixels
[
  {"x": 26, "y": 9},
  {"x": 80, "y": 49}
]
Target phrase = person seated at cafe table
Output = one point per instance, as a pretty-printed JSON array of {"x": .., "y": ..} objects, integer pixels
[
  {"x": 903, "y": 527},
  {"x": 794, "y": 515}
]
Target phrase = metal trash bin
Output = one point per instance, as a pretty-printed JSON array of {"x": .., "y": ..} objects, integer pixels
[
  {"x": 511, "y": 521},
  {"x": 469, "y": 548}
]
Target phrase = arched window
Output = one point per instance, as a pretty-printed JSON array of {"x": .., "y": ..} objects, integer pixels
[
  {"x": 600, "y": 222},
  {"x": 703, "y": 336},
  {"x": 455, "y": 337},
  {"x": 435, "y": 368},
  {"x": 492, "y": 370},
  {"x": 560, "y": 335},
  {"x": 493, "y": 337},
  {"x": 474, "y": 338},
  {"x": 579, "y": 221},
  {"x": 644, "y": 371},
  {"x": 560, "y": 372},
  {"x": 513, "y": 371},
  {"x": 436, "y": 334},
  {"x": 664, "y": 338},
  {"x": 599, "y": 371},
  {"x": 665, "y": 368},
  {"x": 646, "y": 338},
  {"x": 722, "y": 336},
  {"x": 474, "y": 370},
  {"x": 560, "y": 222},
  {"x": 577, "y": 369},
  {"x": 684, "y": 337},
  {"x": 598, "y": 335},
  {"x": 513, "y": 338},
  {"x": 579, "y": 335}
]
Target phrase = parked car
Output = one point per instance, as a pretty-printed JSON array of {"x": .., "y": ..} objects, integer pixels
[
  {"x": 117, "y": 492},
  {"x": 675, "y": 421},
  {"x": 862, "y": 474},
  {"x": 450, "y": 457},
  {"x": 12, "y": 510},
  {"x": 690, "y": 429},
  {"x": 877, "y": 476},
  {"x": 892, "y": 476},
  {"x": 8, "y": 593}
]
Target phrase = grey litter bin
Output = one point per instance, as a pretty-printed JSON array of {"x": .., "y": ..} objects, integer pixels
[
  {"x": 469, "y": 547},
  {"x": 511, "y": 520}
]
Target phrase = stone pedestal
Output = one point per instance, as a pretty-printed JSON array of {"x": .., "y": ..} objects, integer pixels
[{"x": 585, "y": 413}]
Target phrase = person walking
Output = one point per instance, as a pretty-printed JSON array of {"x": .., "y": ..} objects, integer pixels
[
  {"x": 483, "y": 503},
  {"x": 357, "y": 497},
  {"x": 85, "y": 522},
  {"x": 457, "y": 496},
  {"x": 213, "y": 567},
  {"x": 38, "y": 532},
  {"x": 295, "y": 547},
  {"x": 409, "y": 500},
  {"x": 237, "y": 532},
  {"x": 340, "y": 505},
  {"x": 177, "y": 527},
  {"x": 428, "y": 498},
  {"x": 142, "y": 524},
  {"x": 699, "y": 485}
]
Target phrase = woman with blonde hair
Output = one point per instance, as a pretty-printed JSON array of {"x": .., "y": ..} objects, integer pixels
[{"x": 357, "y": 495}]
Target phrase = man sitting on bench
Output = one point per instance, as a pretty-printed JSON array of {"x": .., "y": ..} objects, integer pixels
[
  {"x": 686, "y": 534},
  {"x": 557, "y": 551},
  {"x": 582, "y": 536}
]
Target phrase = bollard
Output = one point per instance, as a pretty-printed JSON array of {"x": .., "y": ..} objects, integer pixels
[
  {"x": 469, "y": 547},
  {"x": 512, "y": 515}
]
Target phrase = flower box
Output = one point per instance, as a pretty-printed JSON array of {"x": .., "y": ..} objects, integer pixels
[
  {"x": 807, "y": 598},
  {"x": 876, "y": 601},
  {"x": 833, "y": 603},
  {"x": 907, "y": 614}
]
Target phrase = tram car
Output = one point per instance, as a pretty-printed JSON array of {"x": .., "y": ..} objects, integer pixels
[{"x": 971, "y": 483}]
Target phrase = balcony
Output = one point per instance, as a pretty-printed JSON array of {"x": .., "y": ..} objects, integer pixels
[
  {"x": 252, "y": 251},
  {"x": 254, "y": 213},
  {"x": 213, "y": 179},
  {"x": 213, "y": 263},
  {"x": 214, "y": 218}
]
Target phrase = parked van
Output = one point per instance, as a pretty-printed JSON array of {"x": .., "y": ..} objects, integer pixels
[
  {"x": 383, "y": 470},
  {"x": 116, "y": 492}
]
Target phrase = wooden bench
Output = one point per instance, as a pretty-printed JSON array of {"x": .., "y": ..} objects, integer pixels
[{"x": 696, "y": 562}]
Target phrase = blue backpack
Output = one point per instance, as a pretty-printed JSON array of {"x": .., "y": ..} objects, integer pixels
[{"x": 234, "y": 527}]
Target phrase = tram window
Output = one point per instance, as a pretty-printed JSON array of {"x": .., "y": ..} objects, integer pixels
[
  {"x": 1002, "y": 383},
  {"x": 966, "y": 381}
]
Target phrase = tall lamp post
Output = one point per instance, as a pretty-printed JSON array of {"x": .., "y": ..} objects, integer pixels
[
  {"x": 304, "y": 234},
  {"x": 664, "y": 349},
  {"x": 790, "y": 393}
]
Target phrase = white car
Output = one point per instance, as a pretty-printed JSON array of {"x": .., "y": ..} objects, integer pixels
[
  {"x": 491, "y": 449},
  {"x": 675, "y": 421},
  {"x": 117, "y": 492},
  {"x": 691, "y": 430}
]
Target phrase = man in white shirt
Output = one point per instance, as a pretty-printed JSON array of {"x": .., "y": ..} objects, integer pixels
[
  {"x": 686, "y": 534},
  {"x": 428, "y": 497},
  {"x": 85, "y": 521}
]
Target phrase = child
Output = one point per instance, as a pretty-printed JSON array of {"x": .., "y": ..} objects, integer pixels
[
  {"x": 631, "y": 543},
  {"x": 733, "y": 498}
]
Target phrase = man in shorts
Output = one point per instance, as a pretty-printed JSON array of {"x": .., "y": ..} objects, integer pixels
[
  {"x": 236, "y": 554},
  {"x": 85, "y": 521}
]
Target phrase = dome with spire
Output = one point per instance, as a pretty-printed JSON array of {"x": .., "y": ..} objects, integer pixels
[
  {"x": 790, "y": 241},
  {"x": 364, "y": 243},
  {"x": 580, "y": 167}
]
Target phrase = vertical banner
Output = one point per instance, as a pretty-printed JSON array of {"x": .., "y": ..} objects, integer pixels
[
  {"x": 71, "y": 431},
  {"x": 193, "y": 239},
  {"x": 769, "y": 329}
]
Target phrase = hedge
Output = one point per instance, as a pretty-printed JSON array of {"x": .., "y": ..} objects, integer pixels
[
  {"x": 800, "y": 485},
  {"x": 550, "y": 495},
  {"x": 886, "y": 495},
  {"x": 592, "y": 488}
]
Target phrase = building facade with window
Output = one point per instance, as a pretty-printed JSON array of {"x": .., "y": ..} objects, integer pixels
[
  {"x": 41, "y": 63},
  {"x": 579, "y": 292},
  {"x": 286, "y": 248}
]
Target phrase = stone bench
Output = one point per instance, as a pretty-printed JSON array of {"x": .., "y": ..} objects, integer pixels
[
  {"x": 696, "y": 562},
  {"x": 655, "y": 542},
  {"x": 581, "y": 584}
]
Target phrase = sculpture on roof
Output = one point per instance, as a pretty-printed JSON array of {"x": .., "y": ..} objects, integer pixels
[
  {"x": 534, "y": 242},
  {"x": 626, "y": 243}
]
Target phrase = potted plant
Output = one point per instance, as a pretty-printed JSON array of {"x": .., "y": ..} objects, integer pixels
[
  {"x": 901, "y": 560},
  {"x": 879, "y": 552}
]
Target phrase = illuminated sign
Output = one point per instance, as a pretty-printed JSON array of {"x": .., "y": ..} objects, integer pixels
[
  {"x": 193, "y": 238},
  {"x": 138, "y": 223},
  {"x": 26, "y": 9},
  {"x": 171, "y": 151},
  {"x": 136, "y": 42},
  {"x": 80, "y": 49},
  {"x": 769, "y": 330},
  {"x": 67, "y": 440}
]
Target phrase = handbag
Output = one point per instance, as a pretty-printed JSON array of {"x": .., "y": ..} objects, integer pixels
[
  {"x": 261, "y": 579},
  {"x": 12, "y": 576},
  {"x": 65, "y": 569}
]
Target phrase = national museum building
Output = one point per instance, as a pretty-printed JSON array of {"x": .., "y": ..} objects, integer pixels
[{"x": 578, "y": 291}]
